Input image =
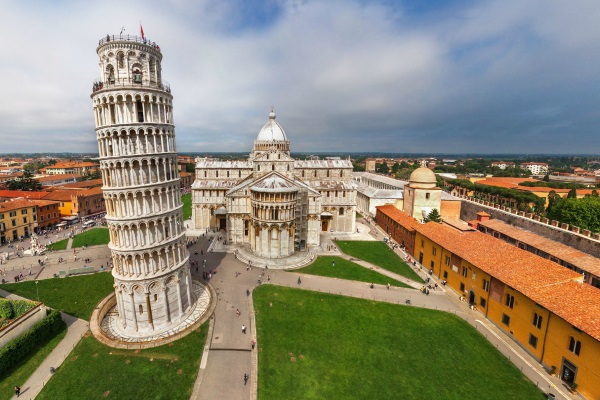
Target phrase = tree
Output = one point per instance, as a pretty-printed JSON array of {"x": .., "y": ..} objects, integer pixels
[
  {"x": 25, "y": 183},
  {"x": 190, "y": 167},
  {"x": 594, "y": 193},
  {"x": 382, "y": 168},
  {"x": 553, "y": 199},
  {"x": 572, "y": 194},
  {"x": 395, "y": 168},
  {"x": 546, "y": 178},
  {"x": 584, "y": 213},
  {"x": 434, "y": 216}
]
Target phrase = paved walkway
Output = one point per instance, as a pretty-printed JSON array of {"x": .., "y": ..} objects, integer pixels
[
  {"x": 76, "y": 329},
  {"x": 228, "y": 354}
]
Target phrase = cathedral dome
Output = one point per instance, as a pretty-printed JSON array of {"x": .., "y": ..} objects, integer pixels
[
  {"x": 272, "y": 131},
  {"x": 422, "y": 177}
]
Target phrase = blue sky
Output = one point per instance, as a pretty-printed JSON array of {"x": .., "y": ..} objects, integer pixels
[{"x": 497, "y": 76}]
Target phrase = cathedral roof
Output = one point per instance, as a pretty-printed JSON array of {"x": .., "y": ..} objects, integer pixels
[
  {"x": 272, "y": 131},
  {"x": 337, "y": 163},
  {"x": 274, "y": 183}
]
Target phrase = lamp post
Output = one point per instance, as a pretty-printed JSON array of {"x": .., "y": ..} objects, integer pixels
[{"x": 37, "y": 291}]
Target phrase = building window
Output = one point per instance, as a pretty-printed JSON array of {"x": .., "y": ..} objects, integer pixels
[
  {"x": 303, "y": 173},
  {"x": 13, "y": 213},
  {"x": 445, "y": 274},
  {"x": 23, "y": 212},
  {"x": 427, "y": 195},
  {"x": 432, "y": 264},
  {"x": 462, "y": 287},
  {"x": 14, "y": 222},
  {"x": 422, "y": 243},
  {"x": 341, "y": 210},
  {"x": 482, "y": 302},
  {"x": 574, "y": 346},
  {"x": 533, "y": 341},
  {"x": 537, "y": 320},
  {"x": 465, "y": 271},
  {"x": 506, "y": 319},
  {"x": 510, "y": 300},
  {"x": 448, "y": 260},
  {"x": 486, "y": 285},
  {"x": 434, "y": 251},
  {"x": 24, "y": 220}
]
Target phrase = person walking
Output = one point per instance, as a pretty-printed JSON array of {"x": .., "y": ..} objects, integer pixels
[
  {"x": 17, "y": 391},
  {"x": 333, "y": 263},
  {"x": 299, "y": 280},
  {"x": 253, "y": 343},
  {"x": 244, "y": 329},
  {"x": 245, "y": 379},
  {"x": 237, "y": 311},
  {"x": 247, "y": 292},
  {"x": 388, "y": 286}
]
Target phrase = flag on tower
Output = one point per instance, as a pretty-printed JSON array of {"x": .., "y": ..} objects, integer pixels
[{"x": 142, "y": 31}]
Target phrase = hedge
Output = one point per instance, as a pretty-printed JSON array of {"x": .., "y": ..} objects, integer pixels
[
  {"x": 11, "y": 309},
  {"x": 17, "y": 349}
]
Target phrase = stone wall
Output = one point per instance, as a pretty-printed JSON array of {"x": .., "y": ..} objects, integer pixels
[
  {"x": 22, "y": 324},
  {"x": 573, "y": 236}
]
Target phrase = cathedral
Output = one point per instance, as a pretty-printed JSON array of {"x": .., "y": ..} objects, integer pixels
[{"x": 271, "y": 203}]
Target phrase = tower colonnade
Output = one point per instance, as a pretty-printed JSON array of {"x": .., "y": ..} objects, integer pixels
[{"x": 133, "y": 113}]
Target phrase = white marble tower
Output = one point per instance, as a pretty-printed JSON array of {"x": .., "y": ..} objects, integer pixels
[{"x": 133, "y": 112}]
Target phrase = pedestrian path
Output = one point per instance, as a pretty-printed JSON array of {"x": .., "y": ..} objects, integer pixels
[{"x": 76, "y": 329}]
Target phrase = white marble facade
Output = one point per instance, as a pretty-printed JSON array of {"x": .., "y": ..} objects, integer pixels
[
  {"x": 272, "y": 202},
  {"x": 136, "y": 141}
]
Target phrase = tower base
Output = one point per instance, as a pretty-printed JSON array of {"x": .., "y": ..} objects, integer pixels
[{"x": 105, "y": 327}]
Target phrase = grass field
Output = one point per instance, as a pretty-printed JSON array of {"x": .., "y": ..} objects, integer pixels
[
  {"x": 94, "y": 371},
  {"x": 19, "y": 375},
  {"x": 321, "y": 346},
  {"x": 187, "y": 206},
  {"x": 380, "y": 254},
  {"x": 60, "y": 245},
  {"x": 345, "y": 269},
  {"x": 91, "y": 237},
  {"x": 76, "y": 295}
]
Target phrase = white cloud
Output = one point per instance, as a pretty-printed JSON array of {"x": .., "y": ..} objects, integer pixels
[{"x": 343, "y": 75}]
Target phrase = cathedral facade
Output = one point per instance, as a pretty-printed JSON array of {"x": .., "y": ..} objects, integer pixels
[{"x": 271, "y": 202}]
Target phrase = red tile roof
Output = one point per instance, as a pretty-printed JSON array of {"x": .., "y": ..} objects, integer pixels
[
  {"x": 573, "y": 256},
  {"x": 556, "y": 288},
  {"x": 401, "y": 217},
  {"x": 11, "y": 194}
]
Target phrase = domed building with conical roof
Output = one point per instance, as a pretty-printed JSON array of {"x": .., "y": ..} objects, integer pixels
[{"x": 272, "y": 203}]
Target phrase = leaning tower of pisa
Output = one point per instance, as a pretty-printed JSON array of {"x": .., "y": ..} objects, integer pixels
[{"x": 133, "y": 111}]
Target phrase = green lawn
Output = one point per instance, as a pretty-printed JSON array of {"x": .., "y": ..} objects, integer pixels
[
  {"x": 76, "y": 295},
  {"x": 91, "y": 237},
  {"x": 186, "y": 199},
  {"x": 60, "y": 245},
  {"x": 380, "y": 254},
  {"x": 94, "y": 371},
  {"x": 19, "y": 375},
  {"x": 358, "y": 215},
  {"x": 345, "y": 269},
  {"x": 321, "y": 346}
]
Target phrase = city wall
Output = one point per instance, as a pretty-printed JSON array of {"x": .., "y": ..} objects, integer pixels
[{"x": 573, "y": 236}]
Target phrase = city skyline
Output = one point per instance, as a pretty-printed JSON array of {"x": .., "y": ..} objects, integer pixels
[{"x": 448, "y": 77}]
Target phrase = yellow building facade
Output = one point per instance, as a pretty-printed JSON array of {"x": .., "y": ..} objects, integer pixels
[
  {"x": 18, "y": 219},
  {"x": 546, "y": 308}
]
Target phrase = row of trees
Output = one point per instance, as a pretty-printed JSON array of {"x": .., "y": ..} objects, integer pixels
[
  {"x": 584, "y": 212},
  {"x": 523, "y": 201}
]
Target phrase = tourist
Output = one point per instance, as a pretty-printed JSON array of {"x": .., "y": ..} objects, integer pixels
[
  {"x": 253, "y": 343},
  {"x": 244, "y": 329},
  {"x": 299, "y": 281},
  {"x": 247, "y": 292},
  {"x": 17, "y": 391},
  {"x": 246, "y": 378},
  {"x": 237, "y": 311},
  {"x": 388, "y": 286}
]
